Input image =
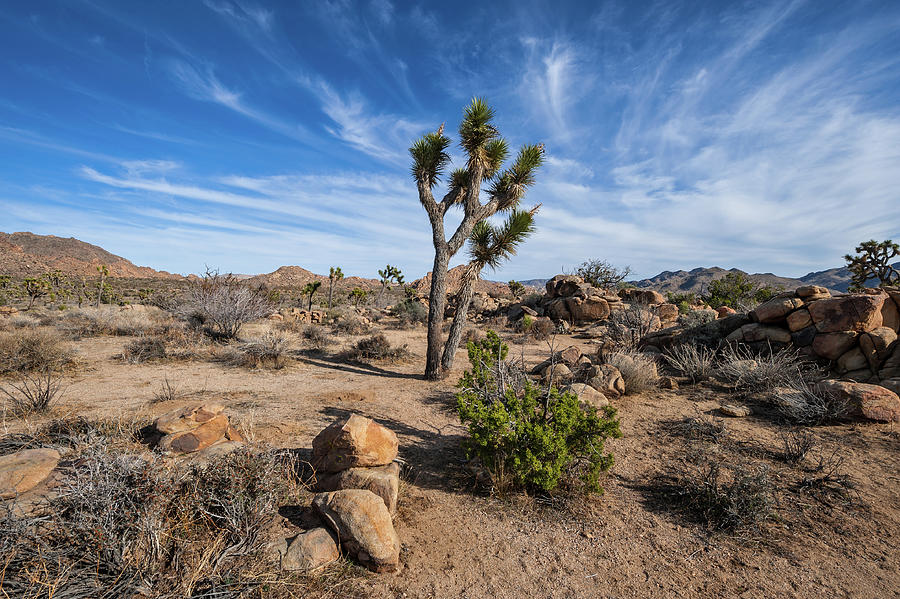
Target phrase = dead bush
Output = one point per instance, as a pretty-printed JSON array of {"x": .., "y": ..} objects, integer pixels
[
  {"x": 144, "y": 349},
  {"x": 350, "y": 324},
  {"x": 376, "y": 349},
  {"x": 267, "y": 351},
  {"x": 735, "y": 500},
  {"x": 806, "y": 403},
  {"x": 221, "y": 304},
  {"x": 542, "y": 329},
  {"x": 692, "y": 361},
  {"x": 472, "y": 335},
  {"x": 316, "y": 337},
  {"x": 627, "y": 327},
  {"x": 167, "y": 392},
  {"x": 33, "y": 350},
  {"x": 638, "y": 370},
  {"x": 21, "y": 321},
  {"x": 796, "y": 444},
  {"x": 111, "y": 320},
  {"x": 752, "y": 371},
  {"x": 826, "y": 477},
  {"x": 32, "y": 394},
  {"x": 702, "y": 427}
]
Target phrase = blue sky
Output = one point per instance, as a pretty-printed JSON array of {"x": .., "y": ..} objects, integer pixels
[{"x": 248, "y": 135}]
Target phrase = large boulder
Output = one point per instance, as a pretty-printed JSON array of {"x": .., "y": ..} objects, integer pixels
[
  {"x": 849, "y": 313},
  {"x": 570, "y": 356},
  {"x": 832, "y": 346},
  {"x": 641, "y": 296},
  {"x": 873, "y": 402},
  {"x": 812, "y": 292},
  {"x": 187, "y": 418},
  {"x": 309, "y": 550},
  {"x": 24, "y": 470},
  {"x": 557, "y": 373},
  {"x": 890, "y": 315},
  {"x": 384, "y": 481},
  {"x": 558, "y": 309},
  {"x": 754, "y": 332},
  {"x": 852, "y": 361},
  {"x": 589, "y": 395},
  {"x": 587, "y": 309},
  {"x": 196, "y": 439},
  {"x": 667, "y": 312},
  {"x": 563, "y": 285},
  {"x": 354, "y": 441},
  {"x": 891, "y": 367},
  {"x": 776, "y": 309},
  {"x": 799, "y": 320},
  {"x": 876, "y": 345},
  {"x": 363, "y": 525}
]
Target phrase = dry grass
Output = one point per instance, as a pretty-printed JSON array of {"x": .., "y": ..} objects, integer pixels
[
  {"x": 638, "y": 370},
  {"x": 805, "y": 403},
  {"x": 376, "y": 349},
  {"x": 144, "y": 349},
  {"x": 33, "y": 350},
  {"x": 759, "y": 372},
  {"x": 316, "y": 337},
  {"x": 692, "y": 361},
  {"x": 32, "y": 394},
  {"x": 270, "y": 350}
]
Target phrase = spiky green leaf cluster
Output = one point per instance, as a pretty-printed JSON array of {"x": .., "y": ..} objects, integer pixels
[
  {"x": 510, "y": 185},
  {"x": 430, "y": 158},
  {"x": 490, "y": 245}
]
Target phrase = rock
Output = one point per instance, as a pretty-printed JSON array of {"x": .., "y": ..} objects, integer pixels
[
  {"x": 891, "y": 367},
  {"x": 276, "y": 316},
  {"x": 588, "y": 309},
  {"x": 873, "y": 402},
  {"x": 892, "y": 385},
  {"x": 558, "y": 309},
  {"x": 589, "y": 395},
  {"x": 530, "y": 311},
  {"x": 557, "y": 373},
  {"x": 852, "y": 360},
  {"x": 607, "y": 379},
  {"x": 309, "y": 550},
  {"x": 804, "y": 337},
  {"x": 735, "y": 411},
  {"x": 667, "y": 312},
  {"x": 641, "y": 296},
  {"x": 725, "y": 311},
  {"x": 668, "y": 382},
  {"x": 187, "y": 418},
  {"x": 850, "y": 313},
  {"x": 832, "y": 345},
  {"x": 354, "y": 441},
  {"x": 799, "y": 320},
  {"x": 563, "y": 285},
  {"x": 776, "y": 309},
  {"x": 384, "y": 481},
  {"x": 759, "y": 332},
  {"x": 197, "y": 438},
  {"x": 216, "y": 450},
  {"x": 22, "y": 471},
  {"x": 890, "y": 315},
  {"x": 569, "y": 356},
  {"x": 363, "y": 525},
  {"x": 875, "y": 345},
  {"x": 811, "y": 290}
]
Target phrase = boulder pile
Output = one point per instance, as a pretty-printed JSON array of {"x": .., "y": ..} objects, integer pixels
[
  {"x": 594, "y": 381},
  {"x": 358, "y": 483},
  {"x": 301, "y": 316},
  {"x": 196, "y": 428}
]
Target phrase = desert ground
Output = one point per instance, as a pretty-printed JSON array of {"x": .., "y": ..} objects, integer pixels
[{"x": 460, "y": 539}]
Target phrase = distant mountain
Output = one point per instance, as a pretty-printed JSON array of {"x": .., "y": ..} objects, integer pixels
[{"x": 27, "y": 254}]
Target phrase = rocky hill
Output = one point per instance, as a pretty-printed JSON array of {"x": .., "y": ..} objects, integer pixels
[
  {"x": 295, "y": 276},
  {"x": 27, "y": 254},
  {"x": 454, "y": 277}
]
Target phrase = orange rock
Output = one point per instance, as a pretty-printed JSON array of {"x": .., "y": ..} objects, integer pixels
[
  {"x": 187, "y": 418},
  {"x": 363, "y": 525},
  {"x": 22, "y": 471},
  {"x": 354, "y": 441},
  {"x": 196, "y": 439},
  {"x": 873, "y": 402},
  {"x": 850, "y": 313}
]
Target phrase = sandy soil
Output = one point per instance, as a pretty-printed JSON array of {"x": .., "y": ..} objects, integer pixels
[{"x": 459, "y": 542}]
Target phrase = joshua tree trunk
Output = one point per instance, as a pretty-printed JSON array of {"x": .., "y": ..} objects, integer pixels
[
  {"x": 437, "y": 303},
  {"x": 463, "y": 300}
]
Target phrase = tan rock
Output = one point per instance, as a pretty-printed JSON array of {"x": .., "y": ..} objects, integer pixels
[
  {"x": 776, "y": 309},
  {"x": 735, "y": 411},
  {"x": 754, "y": 332},
  {"x": 384, "y": 481},
  {"x": 892, "y": 385},
  {"x": 563, "y": 285},
  {"x": 668, "y": 382},
  {"x": 811, "y": 290},
  {"x": 832, "y": 345},
  {"x": 850, "y": 313},
  {"x": 799, "y": 320},
  {"x": 570, "y": 356},
  {"x": 589, "y": 395},
  {"x": 354, "y": 441},
  {"x": 667, "y": 312},
  {"x": 363, "y": 525},
  {"x": 724, "y": 312},
  {"x": 196, "y": 439},
  {"x": 891, "y": 367},
  {"x": 890, "y": 315},
  {"x": 607, "y": 379},
  {"x": 852, "y": 360},
  {"x": 187, "y": 418},
  {"x": 557, "y": 373},
  {"x": 309, "y": 550},
  {"x": 587, "y": 309},
  {"x": 875, "y": 345},
  {"x": 558, "y": 309},
  {"x": 873, "y": 402},
  {"x": 22, "y": 471}
]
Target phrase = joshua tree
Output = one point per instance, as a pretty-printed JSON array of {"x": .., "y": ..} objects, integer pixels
[
  {"x": 389, "y": 274},
  {"x": 488, "y": 246},
  {"x": 334, "y": 275},
  {"x": 873, "y": 261},
  {"x": 310, "y": 290},
  {"x": 516, "y": 288},
  {"x": 485, "y": 153},
  {"x": 34, "y": 288},
  {"x": 358, "y": 295},
  {"x": 102, "y": 285}
]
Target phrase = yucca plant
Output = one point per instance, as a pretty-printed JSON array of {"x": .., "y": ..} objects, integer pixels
[
  {"x": 485, "y": 153},
  {"x": 488, "y": 246},
  {"x": 334, "y": 275}
]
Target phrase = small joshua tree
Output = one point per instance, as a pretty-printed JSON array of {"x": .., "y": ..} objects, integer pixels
[
  {"x": 873, "y": 261},
  {"x": 485, "y": 153},
  {"x": 488, "y": 246},
  {"x": 358, "y": 295},
  {"x": 516, "y": 288},
  {"x": 388, "y": 275},
  {"x": 310, "y": 290},
  {"x": 103, "y": 287},
  {"x": 335, "y": 274},
  {"x": 34, "y": 288}
]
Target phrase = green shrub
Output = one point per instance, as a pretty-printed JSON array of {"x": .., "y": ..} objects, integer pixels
[
  {"x": 737, "y": 290},
  {"x": 530, "y": 436},
  {"x": 410, "y": 312}
]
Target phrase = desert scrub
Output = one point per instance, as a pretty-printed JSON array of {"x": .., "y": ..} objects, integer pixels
[
  {"x": 33, "y": 350},
  {"x": 270, "y": 350},
  {"x": 32, "y": 394},
  {"x": 805, "y": 403},
  {"x": 761, "y": 371},
  {"x": 316, "y": 337},
  {"x": 221, "y": 305},
  {"x": 144, "y": 349},
  {"x": 693, "y": 361},
  {"x": 735, "y": 499},
  {"x": 526, "y": 435},
  {"x": 638, "y": 370},
  {"x": 409, "y": 313},
  {"x": 376, "y": 348},
  {"x": 350, "y": 324}
]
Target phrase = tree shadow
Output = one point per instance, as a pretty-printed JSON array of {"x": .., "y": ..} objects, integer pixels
[{"x": 333, "y": 363}]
